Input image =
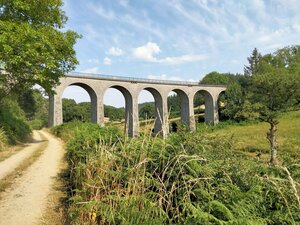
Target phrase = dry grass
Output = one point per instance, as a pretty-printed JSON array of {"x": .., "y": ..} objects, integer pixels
[{"x": 9, "y": 151}]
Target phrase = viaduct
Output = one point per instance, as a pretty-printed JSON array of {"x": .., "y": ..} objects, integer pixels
[{"x": 96, "y": 85}]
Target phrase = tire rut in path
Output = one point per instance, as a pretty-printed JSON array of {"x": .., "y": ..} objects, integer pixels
[
  {"x": 26, "y": 202},
  {"x": 8, "y": 165}
]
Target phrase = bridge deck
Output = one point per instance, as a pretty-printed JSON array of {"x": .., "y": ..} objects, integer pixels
[{"x": 134, "y": 79}]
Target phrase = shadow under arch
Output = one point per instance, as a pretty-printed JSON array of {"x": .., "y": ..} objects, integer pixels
[
  {"x": 129, "y": 123},
  {"x": 209, "y": 106},
  {"x": 184, "y": 107},
  {"x": 93, "y": 97},
  {"x": 221, "y": 104},
  {"x": 158, "y": 108}
]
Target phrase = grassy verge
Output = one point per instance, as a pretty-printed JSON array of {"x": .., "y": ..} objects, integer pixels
[
  {"x": 250, "y": 138},
  {"x": 9, "y": 180},
  {"x": 188, "y": 178},
  {"x": 9, "y": 151},
  {"x": 57, "y": 205}
]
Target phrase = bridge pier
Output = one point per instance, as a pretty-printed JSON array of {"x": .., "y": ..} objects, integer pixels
[
  {"x": 55, "y": 110},
  {"x": 191, "y": 119}
]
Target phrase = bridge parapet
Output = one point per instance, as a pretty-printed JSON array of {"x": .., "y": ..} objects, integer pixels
[{"x": 137, "y": 79}]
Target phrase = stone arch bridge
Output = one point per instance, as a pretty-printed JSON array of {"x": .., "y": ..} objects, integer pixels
[{"x": 96, "y": 85}]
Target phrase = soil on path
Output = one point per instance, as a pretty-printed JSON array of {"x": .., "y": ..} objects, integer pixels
[
  {"x": 26, "y": 202},
  {"x": 10, "y": 164}
]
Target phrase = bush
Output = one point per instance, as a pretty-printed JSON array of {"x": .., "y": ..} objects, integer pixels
[
  {"x": 188, "y": 178},
  {"x": 12, "y": 121}
]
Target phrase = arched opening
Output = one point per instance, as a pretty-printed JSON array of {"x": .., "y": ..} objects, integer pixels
[
  {"x": 79, "y": 102},
  {"x": 118, "y": 108},
  {"x": 179, "y": 110},
  {"x": 222, "y": 100},
  {"x": 146, "y": 107},
  {"x": 35, "y": 104},
  {"x": 203, "y": 108},
  {"x": 150, "y": 111}
]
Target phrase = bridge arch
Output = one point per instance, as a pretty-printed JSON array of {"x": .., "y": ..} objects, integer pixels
[
  {"x": 209, "y": 106},
  {"x": 93, "y": 98},
  {"x": 221, "y": 104},
  {"x": 185, "y": 106},
  {"x": 55, "y": 100},
  {"x": 129, "y": 128},
  {"x": 158, "y": 108}
]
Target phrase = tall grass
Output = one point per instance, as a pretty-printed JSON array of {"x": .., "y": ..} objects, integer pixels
[
  {"x": 185, "y": 179},
  {"x": 3, "y": 139}
]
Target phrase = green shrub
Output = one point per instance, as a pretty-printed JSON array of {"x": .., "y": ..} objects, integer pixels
[
  {"x": 12, "y": 121},
  {"x": 188, "y": 178}
]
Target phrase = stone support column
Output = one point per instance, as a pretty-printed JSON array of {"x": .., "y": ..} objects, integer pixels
[
  {"x": 135, "y": 116},
  {"x": 55, "y": 110},
  {"x": 165, "y": 116},
  {"x": 192, "y": 124}
]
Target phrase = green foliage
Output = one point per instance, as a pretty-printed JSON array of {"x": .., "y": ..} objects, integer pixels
[
  {"x": 174, "y": 103},
  {"x": 254, "y": 61},
  {"x": 217, "y": 78},
  {"x": 33, "y": 47},
  {"x": 12, "y": 121},
  {"x": 114, "y": 113},
  {"x": 35, "y": 107},
  {"x": 188, "y": 178},
  {"x": 147, "y": 110},
  {"x": 74, "y": 111},
  {"x": 27, "y": 102}
]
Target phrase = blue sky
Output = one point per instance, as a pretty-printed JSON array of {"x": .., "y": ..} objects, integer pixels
[{"x": 176, "y": 39}]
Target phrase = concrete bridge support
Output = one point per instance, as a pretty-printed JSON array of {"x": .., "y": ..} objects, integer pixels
[
  {"x": 130, "y": 89},
  {"x": 55, "y": 110}
]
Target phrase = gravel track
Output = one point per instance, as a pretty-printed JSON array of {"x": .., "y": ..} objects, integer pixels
[{"x": 26, "y": 202}]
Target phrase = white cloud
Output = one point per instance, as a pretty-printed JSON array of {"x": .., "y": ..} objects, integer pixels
[
  {"x": 107, "y": 14},
  {"x": 107, "y": 61},
  {"x": 115, "y": 51},
  {"x": 183, "y": 59},
  {"x": 91, "y": 70},
  {"x": 147, "y": 52},
  {"x": 96, "y": 61}
]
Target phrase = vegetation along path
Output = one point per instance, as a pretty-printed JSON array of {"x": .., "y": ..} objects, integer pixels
[{"x": 26, "y": 202}]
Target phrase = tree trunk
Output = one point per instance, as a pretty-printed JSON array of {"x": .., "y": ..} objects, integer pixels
[{"x": 272, "y": 139}]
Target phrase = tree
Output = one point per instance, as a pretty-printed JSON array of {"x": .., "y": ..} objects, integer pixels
[
  {"x": 33, "y": 47},
  {"x": 253, "y": 61},
  {"x": 217, "y": 78},
  {"x": 276, "y": 90},
  {"x": 114, "y": 113},
  {"x": 147, "y": 110},
  {"x": 69, "y": 109},
  {"x": 28, "y": 104}
]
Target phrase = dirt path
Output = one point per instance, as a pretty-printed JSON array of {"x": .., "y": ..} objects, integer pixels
[
  {"x": 24, "y": 205},
  {"x": 10, "y": 164}
]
